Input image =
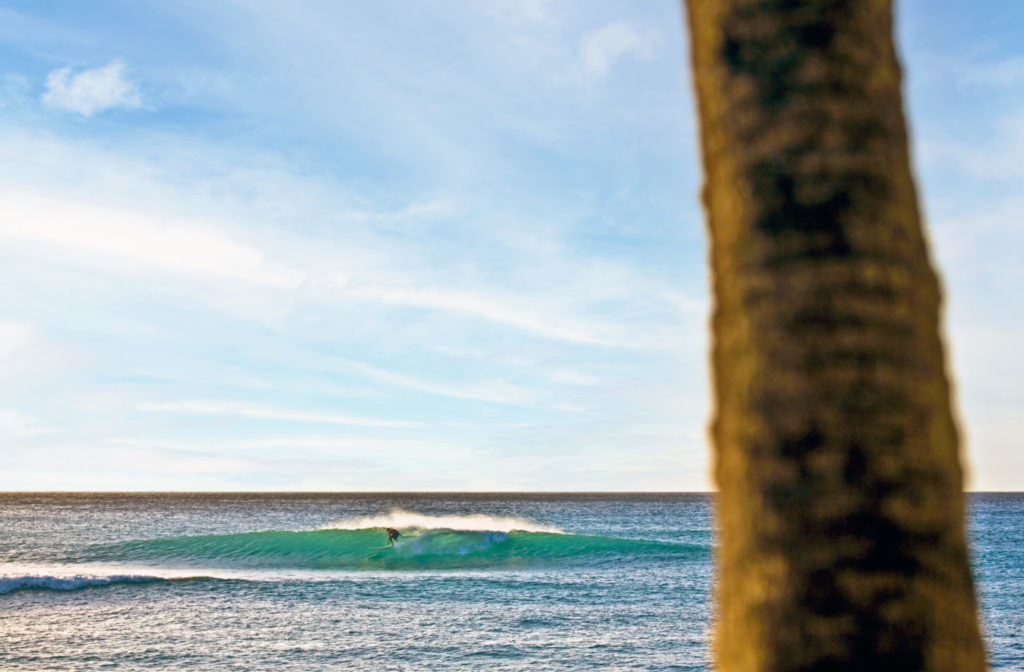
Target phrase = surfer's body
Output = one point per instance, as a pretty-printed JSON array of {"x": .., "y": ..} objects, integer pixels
[{"x": 393, "y": 534}]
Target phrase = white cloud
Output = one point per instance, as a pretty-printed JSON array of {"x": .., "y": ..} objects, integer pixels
[
  {"x": 13, "y": 335},
  {"x": 1003, "y": 74},
  {"x": 136, "y": 237},
  {"x": 16, "y": 423},
  {"x": 91, "y": 91},
  {"x": 13, "y": 419},
  {"x": 602, "y": 48},
  {"x": 204, "y": 407}
]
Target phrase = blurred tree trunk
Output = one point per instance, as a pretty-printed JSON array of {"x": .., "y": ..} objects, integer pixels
[{"x": 836, "y": 456}]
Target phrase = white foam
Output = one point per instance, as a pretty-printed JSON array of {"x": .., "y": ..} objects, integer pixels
[{"x": 477, "y": 522}]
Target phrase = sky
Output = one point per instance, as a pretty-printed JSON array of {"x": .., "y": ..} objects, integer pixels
[{"x": 430, "y": 246}]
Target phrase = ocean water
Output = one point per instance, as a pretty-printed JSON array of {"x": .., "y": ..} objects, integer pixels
[{"x": 475, "y": 582}]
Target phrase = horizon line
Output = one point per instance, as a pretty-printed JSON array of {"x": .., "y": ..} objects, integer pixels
[{"x": 405, "y": 492}]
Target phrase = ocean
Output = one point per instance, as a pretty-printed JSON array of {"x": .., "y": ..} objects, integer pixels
[{"x": 476, "y": 581}]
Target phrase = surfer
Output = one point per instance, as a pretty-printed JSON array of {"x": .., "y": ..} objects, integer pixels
[{"x": 392, "y": 535}]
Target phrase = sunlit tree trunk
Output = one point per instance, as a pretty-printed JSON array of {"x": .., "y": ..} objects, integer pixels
[{"x": 840, "y": 507}]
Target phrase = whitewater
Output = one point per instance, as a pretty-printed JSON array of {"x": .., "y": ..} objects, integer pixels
[{"x": 308, "y": 582}]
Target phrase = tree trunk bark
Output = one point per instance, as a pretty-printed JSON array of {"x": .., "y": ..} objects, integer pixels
[{"x": 840, "y": 504}]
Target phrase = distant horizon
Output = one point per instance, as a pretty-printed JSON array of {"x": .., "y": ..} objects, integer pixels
[{"x": 407, "y": 492}]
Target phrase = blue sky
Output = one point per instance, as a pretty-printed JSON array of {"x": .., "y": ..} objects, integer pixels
[{"x": 420, "y": 246}]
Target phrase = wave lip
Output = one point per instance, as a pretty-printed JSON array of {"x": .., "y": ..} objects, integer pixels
[
  {"x": 410, "y": 520},
  {"x": 12, "y": 584}
]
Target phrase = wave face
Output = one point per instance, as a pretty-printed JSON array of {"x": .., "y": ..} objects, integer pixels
[{"x": 366, "y": 549}]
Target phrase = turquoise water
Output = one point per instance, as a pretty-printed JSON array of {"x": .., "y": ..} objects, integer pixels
[{"x": 308, "y": 582}]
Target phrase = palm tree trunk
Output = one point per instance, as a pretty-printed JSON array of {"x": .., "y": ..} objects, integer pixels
[{"x": 840, "y": 502}]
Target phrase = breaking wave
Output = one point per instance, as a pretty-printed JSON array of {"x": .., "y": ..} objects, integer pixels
[
  {"x": 12, "y": 584},
  {"x": 346, "y": 547}
]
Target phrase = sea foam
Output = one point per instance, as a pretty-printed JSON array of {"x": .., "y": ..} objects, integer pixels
[{"x": 476, "y": 522}]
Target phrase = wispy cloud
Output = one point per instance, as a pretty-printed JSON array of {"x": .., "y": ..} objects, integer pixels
[
  {"x": 333, "y": 446},
  {"x": 996, "y": 158},
  {"x": 1000, "y": 74},
  {"x": 19, "y": 424},
  {"x": 567, "y": 377},
  {"x": 149, "y": 241},
  {"x": 386, "y": 446},
  {"x": 495, "y": 392},
  {"x": 91, "y": 91},
  {"x": 602, "y": 48},
  {"x": 13, "y": 335},
  {"x": 479, "y": 305},
  {"x": 444, "y": 197},
  {"x": 145, "y": 242},
  {"x": 113, "y": 213},
  {"x": 13, "y": 88},
  {"x": 205, "y": 407},
  {"x": 516, "y": 10}
]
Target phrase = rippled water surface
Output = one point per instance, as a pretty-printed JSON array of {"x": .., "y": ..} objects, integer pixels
[{"x": 308, "y": 582}]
